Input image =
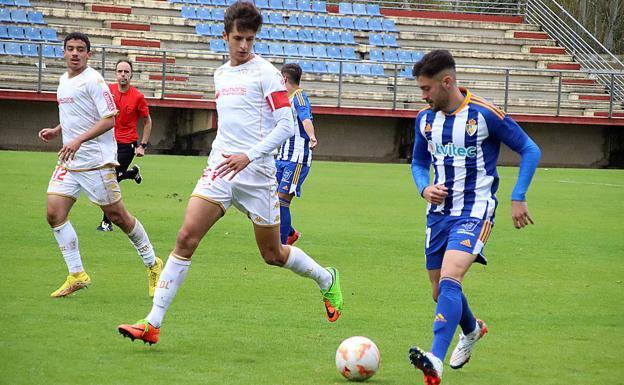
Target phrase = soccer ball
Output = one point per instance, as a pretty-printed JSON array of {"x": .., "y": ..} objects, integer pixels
[{"x": 357, "y": 358}]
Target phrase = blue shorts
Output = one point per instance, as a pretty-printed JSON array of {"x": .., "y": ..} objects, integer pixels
[
  {"x": 290, "y": 176},
  {"x": 445, "y": 232}
]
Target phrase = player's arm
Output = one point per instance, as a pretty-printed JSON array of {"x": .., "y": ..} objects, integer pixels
[
  {"x": 147, "y": 127},
  {"x": 308, "y": 126},
  {"x": 304, "y": 112},
  {"x": 510, "y": 133},
  {"x": 69, "y": 150},
  {"x": 421, "y": 163},
  {"x": 47, "y": 134}
]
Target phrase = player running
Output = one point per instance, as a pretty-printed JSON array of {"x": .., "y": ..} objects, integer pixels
[
  {"x": 460, "y": 136},
  {"x": 255, "y": 117}
]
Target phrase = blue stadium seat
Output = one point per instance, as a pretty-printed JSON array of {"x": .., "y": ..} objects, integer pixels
[
  {"x": 347, "y": 38},
  {"x": 334, "y": 52},
  {"x": 345, "y": 9},
  {"x": 320, "y": 67},
  {"x": 261, "y": 48},
  {"x": 48, "y": 51},
  {"x": 320, "y": 51},
  {"x": 390, "y": 40},
  {"x": 262, "y": 4},
  {"x": 405, "y": 56},
  {"x": 349, "y": 53},
  {"x": 373, "y": 9},
  {"x": 30, "y": 50},
  {"x": 333, "y": 22},
  {"x": 319, "y": 35},
  {"x": 229, "y": 2},
  {"x": 218, "y": 45},
  {"x": 2, "y": 48},
  {"x": 388, "y": 25},
  {"x": 406, "y": 72},
  {"x": 306, "y": 50},
  {"x": 306, "y": 35},
  {"x": 4, "y": 32},
  {"x": 305, "y": 20},
  {"x": 333, "y": 67},
  {"x": 374, "y": 24},
  {"x": 291, "y": 50},
  {"x": 204, "y": 14},
  {"x": 319, "y": 21},
  {"x": 304, "y": 5},
  {"x": 202, "y": 29},
  {"x": 361, "y": 24},
  {"x": 218, "y": 3},
  {"x": 359, "y": 9},
  {"x": 363, "y": 69},
  {"x": 276, "y": 34},
  {"x": 416, "y": 56},
  {"x": 7, "y": 2},
  {"x": 306, "y": 66},
  {"x": 189, "y": 12},
  {"x": 22, "y": 3},
  {"x": 333, "y": 37},
  {"x": 13, "y": 49},
  {"x": 391, "y": 56},
  {"x": 319, "y": 6},
  {"x": 32, "y": 33},
  {"x": 290, "y": 5},
  {"x": 35, "y": 17},
  {"x": 375, "y": 55},
  {"x": 276, "y": 49},
  {"x": 375, "y": 39},
  {"x": 204, "y": 2},
  {"x": 216, "y": 30},
  {"x": 5, "y": 15},
  {"x": 377, "y": 70},
  {"x": 49, "y": 34},
  {"x": 218, "y": 14},
  {"x": 347, "y": 23},
  {"x": 293, "y": 19},
  {"x": 275, "y": 4},
  {"x": 16, "y": 32},
  {"x": 58, "y": 50},
  {"x": 291, "y": 34},
  {"x": 276, "y": 18},
  {"x": 263, "y": 34},
  {"x": 348, "y": 68},
  {"x": 19, "y": 16}
]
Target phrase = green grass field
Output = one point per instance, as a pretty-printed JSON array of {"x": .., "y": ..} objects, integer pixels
[{"x": 553, "y": 294}]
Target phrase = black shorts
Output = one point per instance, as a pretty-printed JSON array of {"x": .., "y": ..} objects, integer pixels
[{"x": 125, "y": 154}]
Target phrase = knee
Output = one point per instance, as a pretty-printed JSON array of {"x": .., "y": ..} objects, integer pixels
[
  {"x": 186, "y": 239},
  {"x": 55, "y": 218},
  {"x": 273, "y": 257}
]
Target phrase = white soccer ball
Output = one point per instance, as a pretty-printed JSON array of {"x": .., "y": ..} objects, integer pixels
[{"x": 357, "y": 358}]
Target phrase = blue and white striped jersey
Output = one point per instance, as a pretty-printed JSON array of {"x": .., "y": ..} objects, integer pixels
[
  {"x": 297, "y": 148},
  {"x": 463, "y": 148}
]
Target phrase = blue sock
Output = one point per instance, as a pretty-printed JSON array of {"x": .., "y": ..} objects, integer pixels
[
  {"x": 468, "y": 323},
  {"x": 285, "y": 221},
  {"x": 448, "y": 314}
]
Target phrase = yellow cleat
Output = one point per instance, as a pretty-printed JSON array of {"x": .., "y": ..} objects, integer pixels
[
  {"x": 153, "y": 272},
  {"x": 74, "y": 282}
]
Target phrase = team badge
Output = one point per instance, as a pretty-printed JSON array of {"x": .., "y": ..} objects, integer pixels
[
  {"x": 428, "y": 127},
  {"x": 471, "y": 127}
]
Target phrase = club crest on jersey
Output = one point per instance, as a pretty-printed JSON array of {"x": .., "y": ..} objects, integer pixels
[
  {"x": 428, "y": 127},
  {"x": 471, "y": 127}
]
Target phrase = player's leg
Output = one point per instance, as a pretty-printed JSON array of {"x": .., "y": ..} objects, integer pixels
[
  {"x": 285, "y": 219},
  {"x": 125, "y": 154}
]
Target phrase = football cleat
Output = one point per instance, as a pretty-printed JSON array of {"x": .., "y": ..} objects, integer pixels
[
  {"x": 430, "y": 365},
  {"x": 105, "y": 226},
  {"x": 137, "y": 174},
  {"x": 74, "y": 282},
  {"x": 293, "y": 237},
  {"x": 153, "y": 272},
  {"x": 332, "y": 297},
  {"x": 463, "y": 349},
  {"x": 141, "y": 330}
]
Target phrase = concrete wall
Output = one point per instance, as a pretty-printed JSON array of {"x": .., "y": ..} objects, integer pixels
[{"x": 352, "y": 138}]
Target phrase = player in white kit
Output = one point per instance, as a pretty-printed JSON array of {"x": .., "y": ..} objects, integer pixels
[
  {"x": 87, "y": 163},
  {"x": 254, "y": 119}
]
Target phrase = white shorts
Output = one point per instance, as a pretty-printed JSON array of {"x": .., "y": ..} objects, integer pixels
[
  {"x": 253, "y": 190},
  {"x": 100, "y": 185}
]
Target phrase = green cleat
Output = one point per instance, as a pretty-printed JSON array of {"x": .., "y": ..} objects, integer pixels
[{"x": 332, "y": 297}]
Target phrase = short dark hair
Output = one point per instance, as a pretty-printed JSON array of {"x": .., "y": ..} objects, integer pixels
[
  {"x": 124, "y": 61},
  {"x": 293, "y": 72},
  {"x": 77, "y": 36},
  {"x": 433, "y": 63},
  {"x": 244, "y": 15}
]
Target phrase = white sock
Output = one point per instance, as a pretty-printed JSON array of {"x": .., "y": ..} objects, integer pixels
[
  {"x": 138, "y": 237},
  {"x": 301, "y": 263},
  {"x": 170, "y": 280},
  {"x": 68, "y": 243}
]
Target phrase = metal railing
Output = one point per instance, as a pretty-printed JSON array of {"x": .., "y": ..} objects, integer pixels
[
  {"x": 494, "y": 7},
  {"x": 569, "y": 33},
  {"x": 506, "y": 86}
]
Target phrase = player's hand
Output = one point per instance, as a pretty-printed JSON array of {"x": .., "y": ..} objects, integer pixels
[
  {"x": 233, "y": 163},
  {"x": 313, "y": 143},
  {"x": 47, "y": 134},
  {"x": 435, "y": 193},
  {"x": 520, "y": 214},
  {"x": 139, "y": 151},
  {"x": 69, "y": 150}
]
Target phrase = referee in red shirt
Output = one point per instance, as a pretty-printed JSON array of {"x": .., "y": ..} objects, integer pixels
[{"x": 132, "y": 106}]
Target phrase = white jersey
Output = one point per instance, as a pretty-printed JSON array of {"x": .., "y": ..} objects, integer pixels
[
  {"x": 246, "y": 96},
  {"x": 83, "y": 101}
]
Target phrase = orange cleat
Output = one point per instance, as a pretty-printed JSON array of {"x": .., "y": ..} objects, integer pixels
[
  {"x": 141, "y": 330},
  {"x": 293, "y": 238}
]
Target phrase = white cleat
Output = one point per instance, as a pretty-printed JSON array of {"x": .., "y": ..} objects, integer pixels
[
  {"x": 463, "y": 350},
  {"x": 430, "y": 365}
]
